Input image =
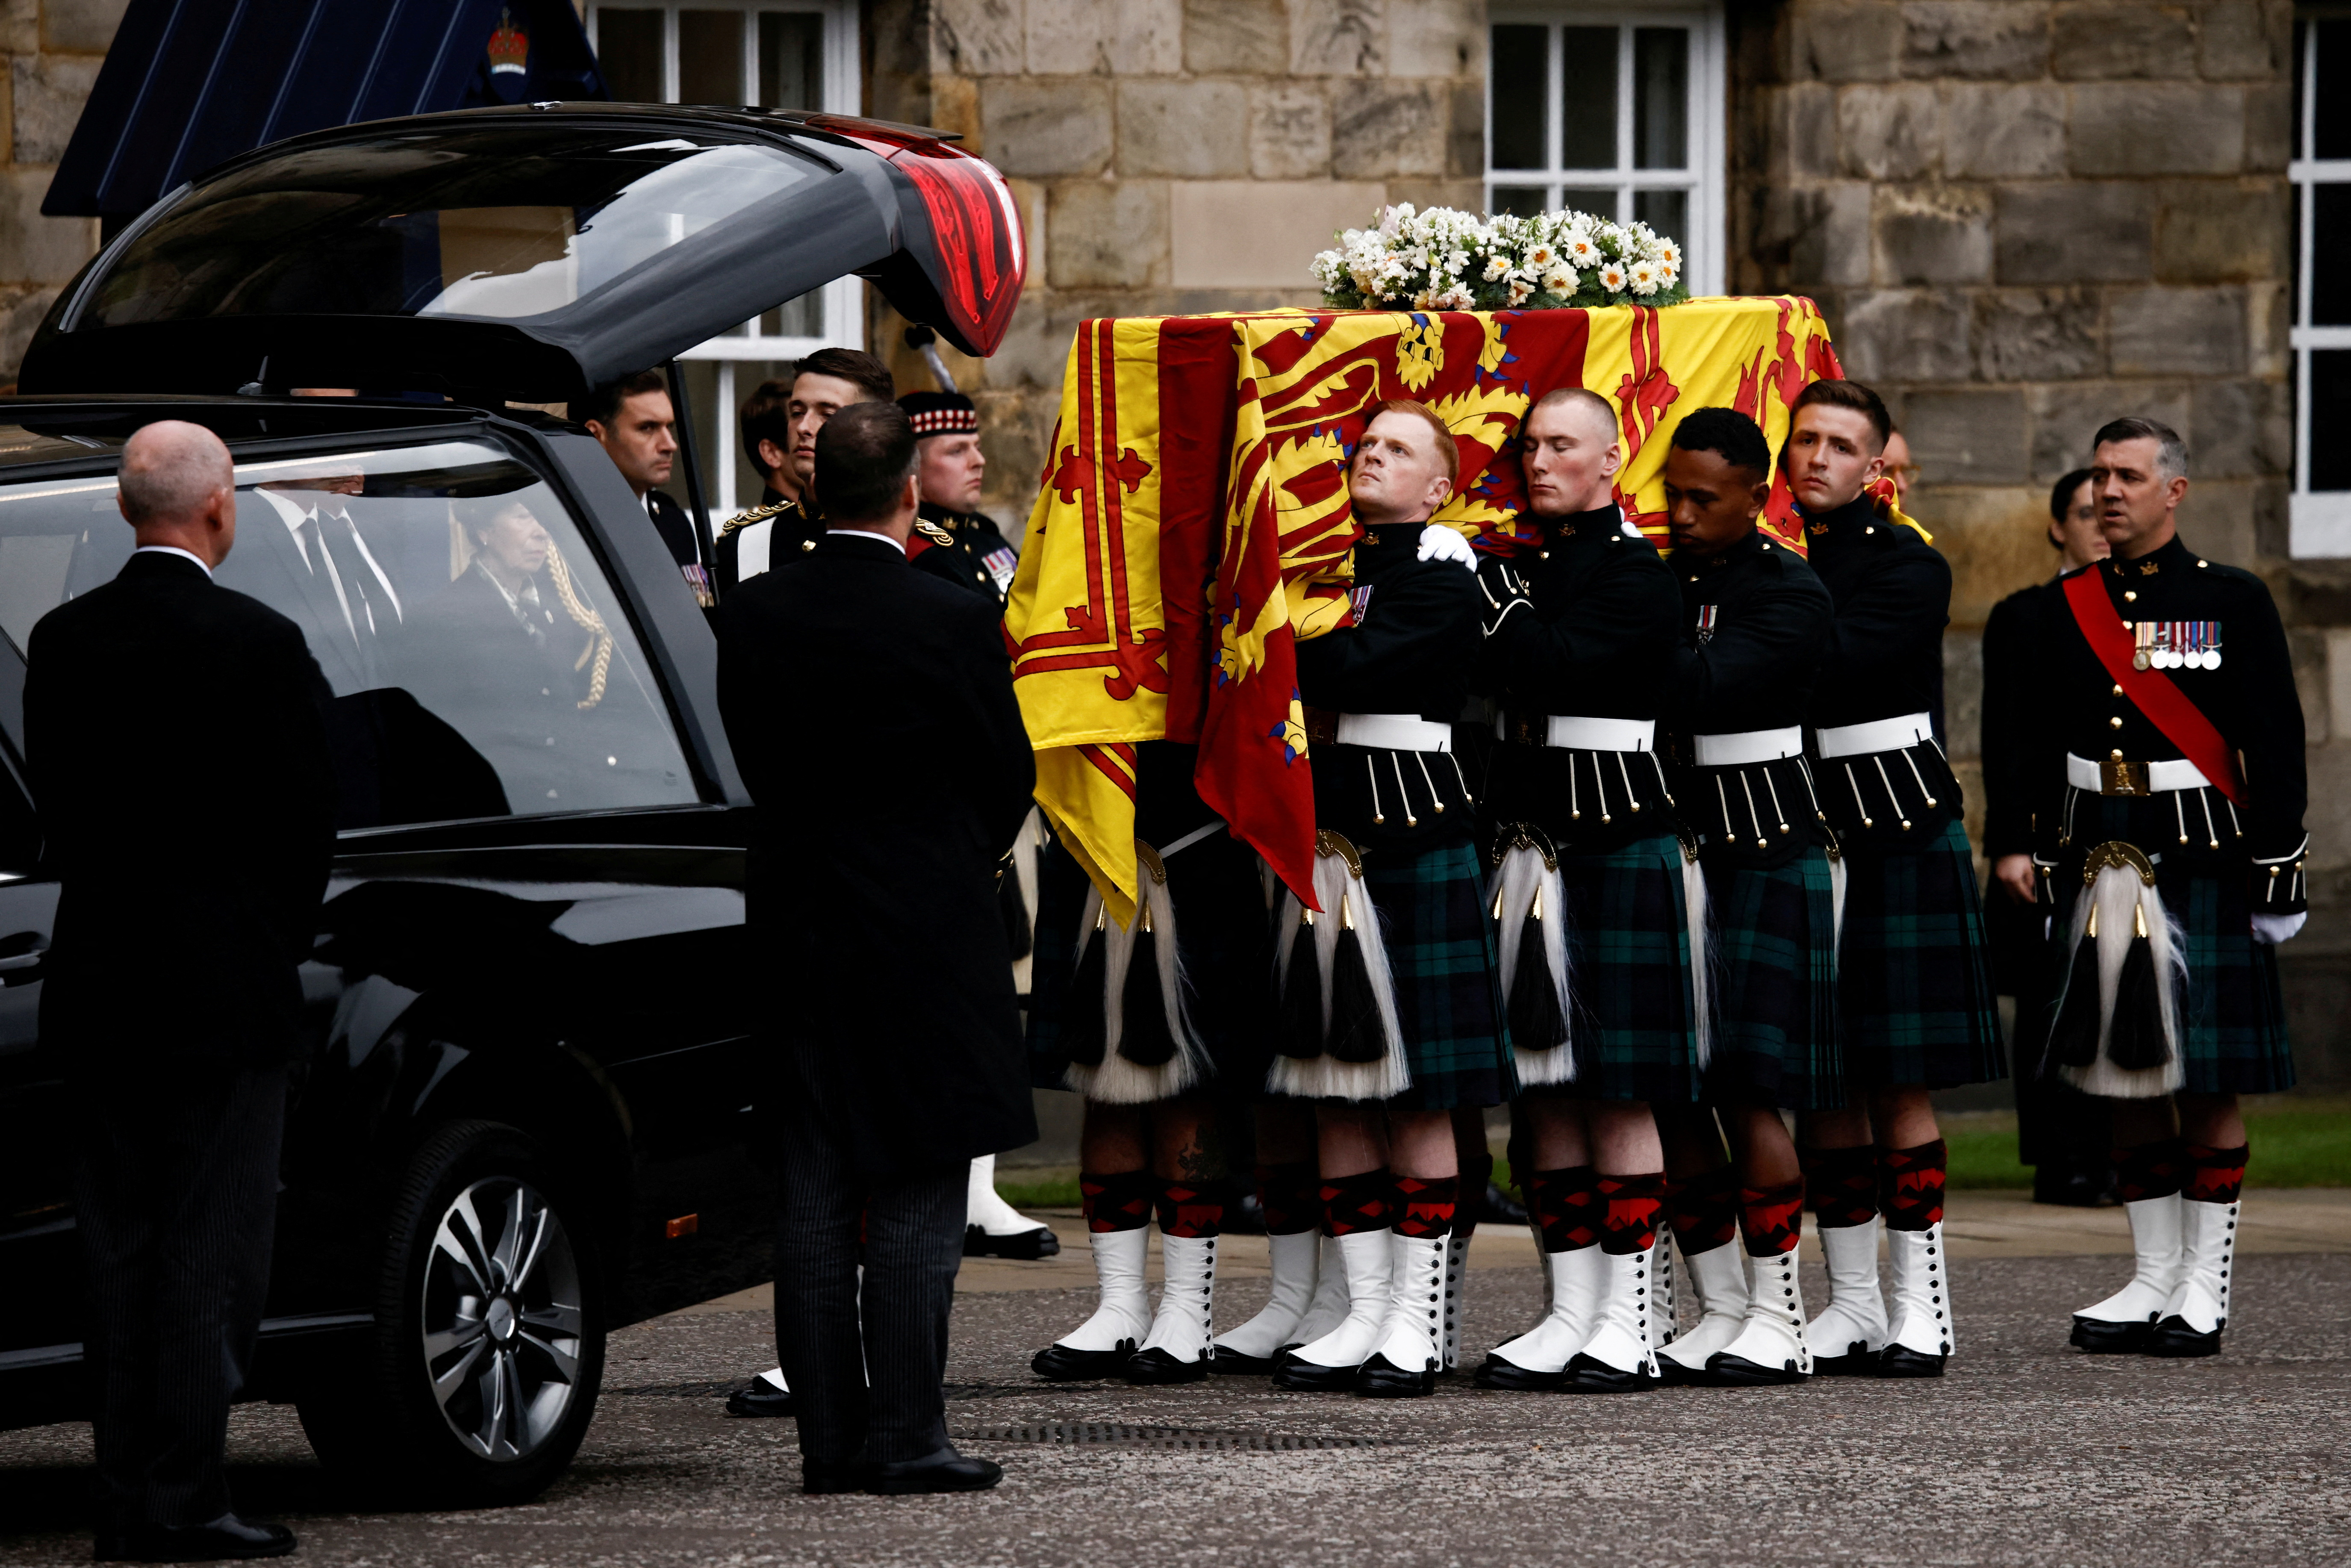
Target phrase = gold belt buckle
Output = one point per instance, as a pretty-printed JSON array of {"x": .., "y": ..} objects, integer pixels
[{"x": 2119, "y": 778}]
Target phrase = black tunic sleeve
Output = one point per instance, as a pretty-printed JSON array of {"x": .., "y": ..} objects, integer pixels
[
  {"x": 2019, "y": 762},
  {"x": 1417, "y": 644}
]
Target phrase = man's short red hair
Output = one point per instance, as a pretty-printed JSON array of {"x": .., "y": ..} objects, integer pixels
[{"x": 1446, "y": 452}]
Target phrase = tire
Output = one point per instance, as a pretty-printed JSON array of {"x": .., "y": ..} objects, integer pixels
[{"x": 488, "y": 1345}]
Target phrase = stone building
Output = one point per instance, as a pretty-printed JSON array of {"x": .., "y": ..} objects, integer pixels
[{"x": 2022, "y": 218}]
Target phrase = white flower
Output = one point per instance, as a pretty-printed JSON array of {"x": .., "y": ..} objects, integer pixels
[
  {"x": 1612, "y": 278},
  {"x": 1579, "y": 249},
  {"x": 1424, "y": 300},
  {"x": 1668, "y": 275},
  {"x": 1643, "y": 275},
  {"x": 1520, "y": 289},
  {"x": 1495, "y": 268},
  {"x": 1540, "y": 256},
  {"x": 1560, "y": 281},
  {"x": 1669, "y": 253}
]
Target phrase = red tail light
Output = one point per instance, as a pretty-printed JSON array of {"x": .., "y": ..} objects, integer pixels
[{"x": 980, "y": 255}]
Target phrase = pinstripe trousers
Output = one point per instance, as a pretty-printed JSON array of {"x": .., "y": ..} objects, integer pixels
[
  {"x": 175, "y": 1197},
  {"x": 866, "y": 1367}
]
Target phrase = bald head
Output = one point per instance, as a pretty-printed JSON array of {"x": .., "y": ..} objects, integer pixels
[
  {"x": 1569, "y": 447},
  {"x": 177, "y": 487}
]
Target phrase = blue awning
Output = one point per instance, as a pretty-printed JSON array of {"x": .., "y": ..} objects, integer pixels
[{"x": 189, "y": 83}]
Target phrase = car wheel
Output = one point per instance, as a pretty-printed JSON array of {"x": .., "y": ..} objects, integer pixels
[{"x": 488, "y": 1343}]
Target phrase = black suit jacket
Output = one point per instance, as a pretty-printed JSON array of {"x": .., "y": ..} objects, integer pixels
[
  {"x": 871, "y": 710},
  {"x": 175, "y": 734}
]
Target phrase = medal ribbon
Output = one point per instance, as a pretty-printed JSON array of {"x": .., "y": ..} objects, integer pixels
[{"x": 2182, "y": 722}]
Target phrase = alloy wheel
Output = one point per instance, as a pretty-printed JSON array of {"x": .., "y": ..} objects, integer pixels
[{"x": 502, "y": 1319}]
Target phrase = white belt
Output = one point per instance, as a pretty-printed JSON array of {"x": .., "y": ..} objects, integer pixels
[
  {"x": 2161, "y": 776},
  {"x": 1877, "y": 735},
  {"x": 1393, "y": 732},
  {"x": 1748, "y": 746},
  {"x": 1592, "y": 733}
]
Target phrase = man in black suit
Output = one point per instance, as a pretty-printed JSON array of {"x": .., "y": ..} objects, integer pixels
[
  {"x": 176, "y": 738},
  {"x": 871, "y": 710},
  {"x": 636, "y": 423}
]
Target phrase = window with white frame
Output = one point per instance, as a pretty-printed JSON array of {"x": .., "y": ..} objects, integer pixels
[
  {"x": 777, "y": 54},
  {"x": 1614, "y": 111},
  {"x": 2321, "y": 172}
]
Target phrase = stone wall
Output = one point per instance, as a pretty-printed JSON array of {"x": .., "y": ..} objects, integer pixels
[
  {"x": 1174, "y": 155},
  {"x": 53, "y": 49}
]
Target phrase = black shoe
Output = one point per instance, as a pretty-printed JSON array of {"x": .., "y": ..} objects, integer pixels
[
  {"x": 1674, "y": 1375},
  {"x": 1230, "y": 1363},
  {"x": 1589, "y": 1374},
  {"x": 1021, "y": 1246},
  {"x": 1156, "y": 1365},
  {"x": 1061, "y": 1363},
  {"x": 1510, "y": 1377},
  {"x": 1724, "y": 1370},
  {"x": 946, "y": 1471},
  {"x": 1498, "y": 1207},
  {"x": 819, "y": 1478},
  {"x": 2102, "y": 1338},
  {"x": 762, "y": 1398},
  {"x": 1380, "y": 1378},
  {"x": 2173, "y": 1338},
  {"x": 226, "y": 1538},
  {"x": 1857, "y": 1361},
  {"x": 1312, "y": 1377},
  {"x": 2069, "y": 1189},
  {"x": 1901, "y": 1361}
]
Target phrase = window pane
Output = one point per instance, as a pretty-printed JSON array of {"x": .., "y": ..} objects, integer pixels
[
  {"x": 2330, "y": 251},
  {"x": 480, "y": 664},
  {"x": 1660, "y": 97},
  {"x": 800, "y": 318},
  {"x": 2330, "y": 116},
  {"x": 628, "y": 51},
  {"x": 710, "y": 57},
  {"x": 1668, "y": 211},
  {"x": 791, "y": 59},
  {"x": 1518, "y": 81},
  {"x": 1600, "y": 202},
  {"x": 1587, "y": 98},
  {"x": 2330, "y": 409},
  {"x": 1527, "y": 201}
]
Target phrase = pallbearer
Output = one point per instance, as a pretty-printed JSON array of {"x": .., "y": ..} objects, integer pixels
[
  {"x": 1915, "y": 1008},
  {"x": 1755, "y": 624},
  {"x": 2179, "y": 868},
  {"x": 1591, "y": 915},
  {"x": 1390, "y": 1015}
]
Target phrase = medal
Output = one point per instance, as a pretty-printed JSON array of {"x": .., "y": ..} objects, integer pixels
[{"x": 2142, "y": 635}]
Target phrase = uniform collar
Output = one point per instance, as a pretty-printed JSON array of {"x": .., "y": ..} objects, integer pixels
[
  {"x": 1848, "y": 521},
  {"x": 1753, "y": 545},
  {"x": 1593, "y": 526},
  {"x": 2173, "y": 555}
]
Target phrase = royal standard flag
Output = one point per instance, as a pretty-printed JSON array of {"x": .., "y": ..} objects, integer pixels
[{"x": 1193, "y": 521}]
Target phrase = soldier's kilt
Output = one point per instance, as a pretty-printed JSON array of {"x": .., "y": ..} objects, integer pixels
[
  {"x": 1222, "y": 932},
  {"x": 1632, "y": 1026},
  {"x": 1915, "y": 1000},
  {"x": 1774, "y": 986},
  {"x": 1440, "y": 945},
  {"x": 2232, "y": 1020}
]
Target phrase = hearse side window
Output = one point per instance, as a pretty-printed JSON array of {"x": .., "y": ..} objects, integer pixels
[{"x": 481, "y": 664}]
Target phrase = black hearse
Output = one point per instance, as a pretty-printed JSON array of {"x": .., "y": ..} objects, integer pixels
[{"x": 526, "y": 1112}]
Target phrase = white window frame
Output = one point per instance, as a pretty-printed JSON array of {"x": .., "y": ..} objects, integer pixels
[
  {"x": 843, "y": 307},
  {"x": 1705, "y": 177},
  {"x": 2319, "y": 521}
]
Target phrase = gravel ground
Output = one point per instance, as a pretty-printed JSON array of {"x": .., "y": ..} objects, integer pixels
[{"x": 2026, "y": 1453}]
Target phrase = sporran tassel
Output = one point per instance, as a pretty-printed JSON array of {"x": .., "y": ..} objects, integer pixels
[
  {"x": 2134, "y": 1039},
  {"x": 1357, "y": 1033},
  {"x": 1536, "y": 1020},
  {"x": 1300, "y": 1033},
  {"x": 2073, "y": 1034},
  {"x": 1144, "y": 1037},
  {"x": 1083, "y": 1031}
]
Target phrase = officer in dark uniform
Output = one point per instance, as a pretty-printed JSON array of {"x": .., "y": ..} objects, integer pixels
[
  {"x": 769, "y": 535},
  {"x": 1755, "y": 624},
  {"x": 1581, "y": 631},
  {"x": 952, "y": 541},
  {"x": 2063, "y": 1134},
  {"x": 1915, "y": 1005},
  {"x": 635, "y": 422},
  {"x": 2177, "y": 873}
]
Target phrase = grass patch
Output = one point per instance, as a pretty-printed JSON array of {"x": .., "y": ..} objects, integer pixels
[{"x": 1044, "y": 1188}]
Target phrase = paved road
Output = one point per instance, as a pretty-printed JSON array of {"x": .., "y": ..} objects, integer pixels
[{"x": 2026, "y": 1453}]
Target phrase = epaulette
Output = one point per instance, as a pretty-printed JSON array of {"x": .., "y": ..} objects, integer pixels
[
  {"x": 933, "y": 533},
  {"x": 756, "y": 515}
]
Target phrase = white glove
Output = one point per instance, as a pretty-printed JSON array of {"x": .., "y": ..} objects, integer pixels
[
  {"x": 1442, "y": 543},
  {"x": 2272, "y": 929}
]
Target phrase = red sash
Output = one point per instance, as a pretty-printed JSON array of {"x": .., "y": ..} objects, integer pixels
[{"x": 2182, "y": 723}]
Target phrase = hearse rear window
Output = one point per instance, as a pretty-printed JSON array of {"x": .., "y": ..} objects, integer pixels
[{"x": 481, "y": 664}]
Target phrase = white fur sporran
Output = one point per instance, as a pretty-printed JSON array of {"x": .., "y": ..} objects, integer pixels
[
  {"x": 1340, "y": 889},
  {"x": 2119, "y": 899},
  {"x": 1118, "y": 1081},
  {"x": 1524, "y": 877}
]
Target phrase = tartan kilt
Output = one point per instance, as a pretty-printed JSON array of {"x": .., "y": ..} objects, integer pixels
[
  {"x": 1224, "y": 937},
  {"x": 1632, "y": 1026},
  {"x": 2233, "y": 1016},
  {"x": 1774, "y": 968},
  {"x": 1440, "y": 946},
  {"x": 1915, "y": 1000}
]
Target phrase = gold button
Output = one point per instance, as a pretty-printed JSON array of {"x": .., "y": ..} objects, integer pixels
[
  {"x": 2117, "y": 755},
  {"x": 1543, "y": 555},
  {"x": 2115, "y": 722},
  {"x": 1869, "y": 530},
  {"x": 2126, "y": 625},
  {"x": 2203, "y": 563},
  {"x": 2118, "y": 691},
  {"x": 1767, "y": 544},
  {"x": 2129, "y": 597},
  {"x": 807, "y": 544}
]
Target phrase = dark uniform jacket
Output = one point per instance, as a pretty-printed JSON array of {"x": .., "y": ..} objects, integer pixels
[
  {"x": 965, "y": 548},
  {"x": 1756, "y": 623},
  {"x": 1597, "y": 641},
  {"x": 871, "y": 710},
  {"x": 178, "y": 932},
  {"x": 789, "y": 528},
  {"x": 2019, "y": 755},
  {"x": 2250, "y": 699},
  {"x": 1892, "y": 590},
  {"x": 1412, "y": 650}
]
